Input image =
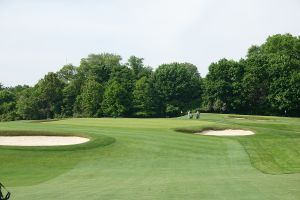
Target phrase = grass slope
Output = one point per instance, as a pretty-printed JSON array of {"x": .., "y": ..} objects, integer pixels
[{"x": 148, "y": 159}]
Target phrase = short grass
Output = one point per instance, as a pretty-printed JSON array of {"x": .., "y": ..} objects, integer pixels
[{"x": 149, "y": 159}]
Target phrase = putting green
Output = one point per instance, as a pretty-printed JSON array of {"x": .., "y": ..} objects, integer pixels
[{"x": 148, "y": 159}]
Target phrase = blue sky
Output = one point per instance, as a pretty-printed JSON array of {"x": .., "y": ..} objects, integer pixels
[{"x": 38, "y": 36}]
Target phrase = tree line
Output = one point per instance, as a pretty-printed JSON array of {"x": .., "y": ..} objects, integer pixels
[{"x": 266, "y": 81}]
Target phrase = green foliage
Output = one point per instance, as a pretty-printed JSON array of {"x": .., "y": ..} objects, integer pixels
[
  {"x": 266, "y": 82},
  {"x": 42, "y": 101},
  {"x": 123, "y": 75},
  {"x": 7, "y": 105},
  {"x": 98, "y": 67},
  {"x": 144, "y": 99},
  {"x": 172, "y": 111},
  {"x": 116, "y": 100},
  {"x": 223, "y": 84},
  {"x": 50, "y": 91},
  {"x": 179, "y": 85},
  {"x": 67, "y": 73},
  {"x": 255, "y": 84},
  {"x": 282, "y": 45},
  {"x": 8, "y": 102},
  {"x": 138, "y": 68},
  {"x": 70, "y": 92},
  {"x": 284, "y": 85},
  {"x": 28, "y": 104},
  {"x": 88, "y": 103}
]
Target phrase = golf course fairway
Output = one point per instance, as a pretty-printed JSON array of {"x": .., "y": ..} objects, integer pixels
[{"x": 155, "y": 159}]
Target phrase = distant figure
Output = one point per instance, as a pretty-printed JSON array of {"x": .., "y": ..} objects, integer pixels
[
  {"x": 197, "y": 114},
  {"x": 190, "y": 115},
  {"x": 181, "y": 113},
  {"x": 285, "y": 112}
]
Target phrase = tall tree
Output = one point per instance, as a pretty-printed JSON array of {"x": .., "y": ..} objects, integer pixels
[
  {"x": 123, "y": 75},
  {"x": 138, "y": 67},
  {"x": 116, "y": 100},
  {"x": 279, "y": 44},
  {"x": 98, "y": 67},
  {"x": 255, "y": 82},
  {"x": 50, "y": 90},
  {"x": 67, "y": 73},
  {"x": 88, "y": 103},
  {"x": 144, "y": 99},
  {"x": 178, "y": 86},
  {"x": 29, "y": 105},
  {"x": 70, "y": 92},
  {"x": 282, "y": 53},
  {"x": 7, "y": 105},
  {"x": 284, "y": 94}
]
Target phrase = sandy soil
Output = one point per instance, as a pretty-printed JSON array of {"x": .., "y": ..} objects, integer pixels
[
  {"x": 227, "y": 132},
  {"x": 41, "y": 140}
]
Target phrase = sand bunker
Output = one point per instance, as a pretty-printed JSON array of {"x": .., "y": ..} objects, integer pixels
[
  {"x": 41, "y": 140},
  {"x": 227, "y": 132}
]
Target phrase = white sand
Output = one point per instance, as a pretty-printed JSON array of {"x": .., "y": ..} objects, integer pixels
[
  {"x": 227, "y": 132},
  {"x": 41, "y": 140}
]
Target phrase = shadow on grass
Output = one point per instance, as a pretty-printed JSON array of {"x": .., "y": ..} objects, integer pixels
[{"x": 192, "y": 130}]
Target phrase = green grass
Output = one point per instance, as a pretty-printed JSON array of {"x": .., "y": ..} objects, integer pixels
[{"x": 149, "y": 159}]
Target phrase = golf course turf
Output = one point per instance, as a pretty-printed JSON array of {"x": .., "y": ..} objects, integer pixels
[{"x": 156, "y": 159}]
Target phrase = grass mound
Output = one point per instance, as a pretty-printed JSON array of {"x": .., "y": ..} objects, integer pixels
[
  {"x": 32, "y": 165},
  {"x": 274, "y": 151}
]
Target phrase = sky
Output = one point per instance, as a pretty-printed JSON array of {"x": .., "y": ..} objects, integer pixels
[{"x": 37, "y": 37}]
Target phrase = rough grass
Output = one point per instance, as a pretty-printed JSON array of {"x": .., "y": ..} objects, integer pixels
[{"x": 150, "y": 160}]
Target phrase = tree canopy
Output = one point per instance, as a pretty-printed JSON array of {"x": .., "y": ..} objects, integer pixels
[
  {"x": 266, "y": 81},
  {"x": 178, "y": 86}
]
